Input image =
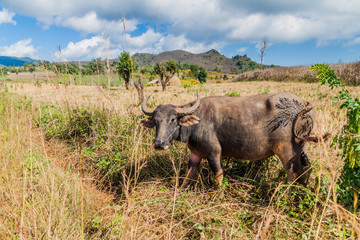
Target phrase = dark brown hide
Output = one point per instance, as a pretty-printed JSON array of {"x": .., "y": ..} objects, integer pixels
[{"x": 248, "y": 128}]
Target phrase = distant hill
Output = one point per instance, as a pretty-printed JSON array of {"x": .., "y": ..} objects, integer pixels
[
  {"x": 15, "y": 61},
  {"x": 210, "y": 60}
]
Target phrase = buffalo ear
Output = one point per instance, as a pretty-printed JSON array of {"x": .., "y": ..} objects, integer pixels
[
  {"x": 189, "y": 120},
  {"x": 147, "y": 122}
]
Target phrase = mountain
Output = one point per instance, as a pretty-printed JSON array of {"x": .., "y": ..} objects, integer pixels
[
  {"x": 15, "y": 61},
  {"x": 210, "y": 60}
]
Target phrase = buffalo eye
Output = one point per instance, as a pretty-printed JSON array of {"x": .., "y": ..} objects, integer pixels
[{"x": 173, "y": 119}]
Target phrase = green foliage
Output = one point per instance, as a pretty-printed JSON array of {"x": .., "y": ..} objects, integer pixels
[
  {"x": 348, "y": 139},
  {"x": 70, "y": 125},
  {"x": 96, "y": 66},
  {"x": 298, "y": 204},
  {"x": 107, "y": 138},
  {"x": 125, "y": 67},
  {"x": 245, "y": 63},
  {"x": 187, "y": 85},
  {"x": 159, "y": 69},
  {"x": 194, "y": 70},
  {"x": 233, "y": 94},
  {"x": 265, "y": 91},
  {"x": 327, "y": 75},
  {"x": 170, "y": 66},
  {"x": 202, "y": 75},
  {"x": 165, "y": 71}
]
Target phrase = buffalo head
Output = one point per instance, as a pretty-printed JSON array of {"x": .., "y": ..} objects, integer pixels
[{"x": 168, "y": 119}]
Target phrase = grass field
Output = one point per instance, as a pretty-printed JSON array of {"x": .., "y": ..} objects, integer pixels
[{"x": 76, "y": 165}]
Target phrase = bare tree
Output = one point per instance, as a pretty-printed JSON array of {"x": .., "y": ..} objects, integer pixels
[
  {"x": 140, "y": 89},
  {"x": 264, "y": 44}
]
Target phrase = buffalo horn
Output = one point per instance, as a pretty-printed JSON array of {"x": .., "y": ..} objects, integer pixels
[
  {"x": 145, "y": 108},
  {"x": 182, "y": 111}
]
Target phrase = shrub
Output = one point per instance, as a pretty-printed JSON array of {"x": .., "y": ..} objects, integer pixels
[{"x": 348, "y": 139}]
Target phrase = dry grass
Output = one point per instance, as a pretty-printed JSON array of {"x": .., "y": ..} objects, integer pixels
[
  {"x": 47, "y": 193},
  {"x": 349, "y": 73}
]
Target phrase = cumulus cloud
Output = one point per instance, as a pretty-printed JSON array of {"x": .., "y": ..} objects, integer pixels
[
  {"x": 172, "y": 42},
  {"x": 146, "y": 39},
  {"x": 91, "y": 48},
  {"x": 22, "y": 48},
  {"x": 150, "y": 41},
  {"x": 198, "y": 24},
  {"x": 207, "y": 20},
  {"x": 7, "y": 17},
  {"x": 90, "y": 23}
]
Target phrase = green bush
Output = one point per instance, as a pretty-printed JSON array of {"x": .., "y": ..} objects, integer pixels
[{"x": 348, "y": 139}]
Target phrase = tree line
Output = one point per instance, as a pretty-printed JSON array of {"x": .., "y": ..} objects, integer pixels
[{"x": 124, "y": 67}]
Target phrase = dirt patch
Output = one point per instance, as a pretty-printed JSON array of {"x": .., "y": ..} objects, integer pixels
[{"x": 35, "y": 75}]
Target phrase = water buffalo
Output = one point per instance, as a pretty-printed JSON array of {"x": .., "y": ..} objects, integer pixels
[{"x": 246, "y": 128}]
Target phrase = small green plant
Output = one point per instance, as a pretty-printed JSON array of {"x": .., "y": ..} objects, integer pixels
[
  {"x": 348, "y": 139},
  {"x": 233, "y": 94},
  {"x": 265, "y": 91},
  {"x": 187, "y": 85}
]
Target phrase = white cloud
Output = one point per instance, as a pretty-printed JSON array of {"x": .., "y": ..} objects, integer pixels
[
  {"x": 172, "y": 42},
  {"x": 241, "y": 50},
  {"x": 353, "y": 42},
  {"x": 90, "y": 23},
  {"x": 150, "y": 41},
  {"x": 91, "y": 48},
  {"x": 7, "y": 17},
  {"x": 260, "y": 44},
  {"x": 206, "y": 21},
  {"x": 146, "y": 39},
  {"x": 22, "y": 48},
  {"x": 199, "y": 24},
  {"x": 94, "y": 47}
]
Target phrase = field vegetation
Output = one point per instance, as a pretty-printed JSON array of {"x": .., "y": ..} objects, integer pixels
[
  {"x": 75, "y": 164},
  {"x": 349, "y": 73}
]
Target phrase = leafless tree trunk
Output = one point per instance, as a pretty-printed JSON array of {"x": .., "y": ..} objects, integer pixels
[
  {"x": 165, "y": 82},
  {"x": 140, "y": 89},
  {"x": 263, "y": 45}
]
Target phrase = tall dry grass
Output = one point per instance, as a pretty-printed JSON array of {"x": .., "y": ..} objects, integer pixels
[
  {"x": 48, "y": 194},
  {"x": 348, "y": 72},
  {"x": 39, "y": 196}
]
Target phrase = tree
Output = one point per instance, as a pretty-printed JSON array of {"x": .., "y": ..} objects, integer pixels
[
  {"x": 194, "y": 70},
  {"x": 125, "y": 67},
  {"x": 165, "y": 71},
  {"x": 73, "y": 68},
  {"x": 32, "y": 68},
  {"x": 202, "y": 75},
  {"x": 96, "y": 66},
  {"x": 264, "y": 44}
]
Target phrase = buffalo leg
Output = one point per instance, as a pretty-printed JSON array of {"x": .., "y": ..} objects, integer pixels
[
  {"x": 215, "y": 165},
  {"x": 193, "y": 166},
  {"x": 296, "y": 164}
]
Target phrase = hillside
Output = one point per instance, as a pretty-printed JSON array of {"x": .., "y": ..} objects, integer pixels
[
  {"x": 210, "y": 60},
  {"x": 15, "y": 61}
]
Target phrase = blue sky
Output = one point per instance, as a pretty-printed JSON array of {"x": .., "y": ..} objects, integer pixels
[{"x": 300, "y": 32}]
